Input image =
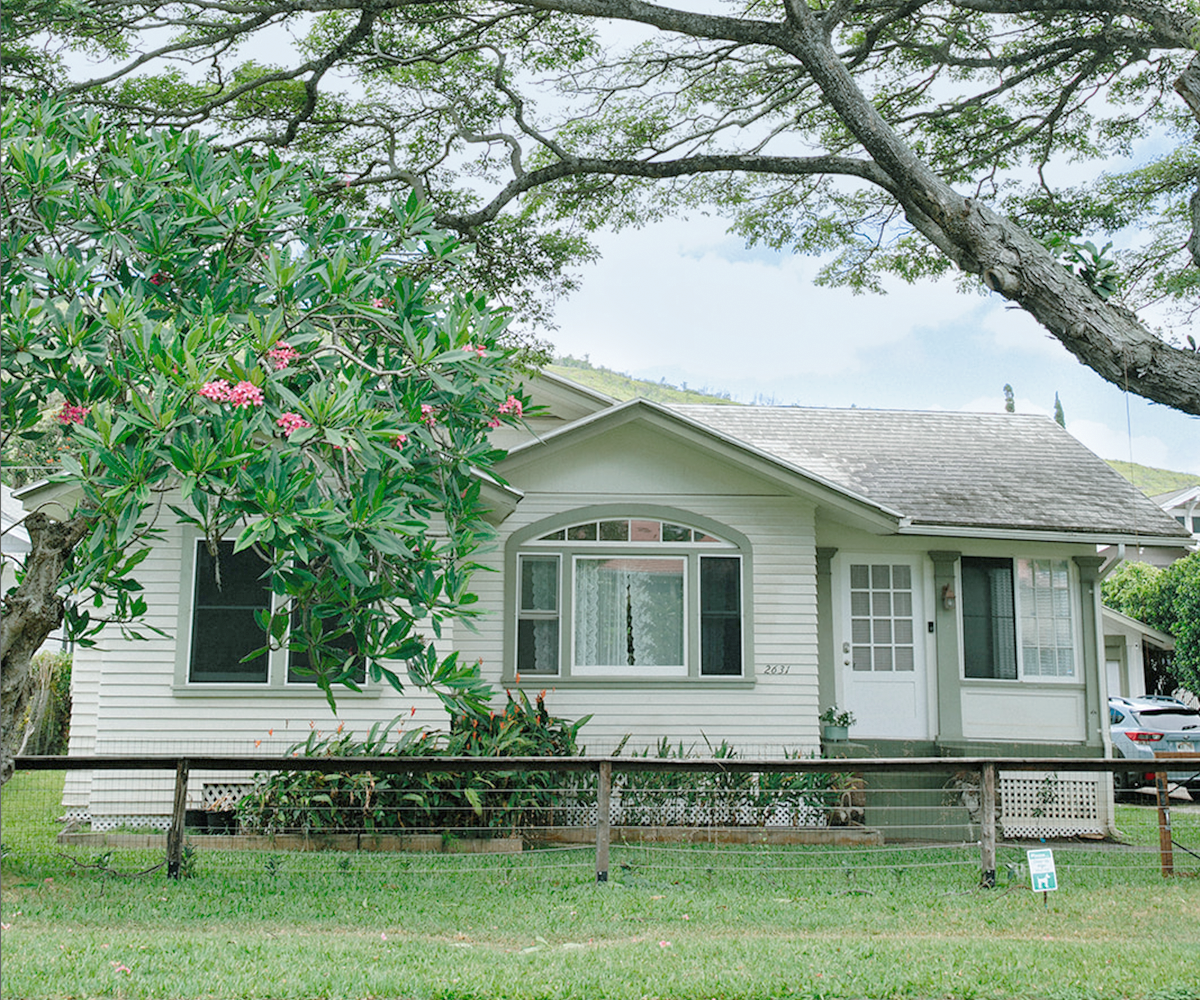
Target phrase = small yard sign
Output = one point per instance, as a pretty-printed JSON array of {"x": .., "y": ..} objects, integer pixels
[{"x": 1041, "y": 870}]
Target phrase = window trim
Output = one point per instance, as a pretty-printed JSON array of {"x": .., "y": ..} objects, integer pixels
[
  {"x": 1023, "y": 677},
  {"x": 526, "y": 541},
  {"x": 276, "y": 684}
]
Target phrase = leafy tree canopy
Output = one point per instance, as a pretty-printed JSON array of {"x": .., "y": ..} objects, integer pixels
[
  {"x": 1169, "y": 600},
  {"x": 908, "y": 137},
  {"x": 222, "y": 337}
]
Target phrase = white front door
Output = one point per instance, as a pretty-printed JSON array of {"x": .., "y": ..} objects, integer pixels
[{"x": 881, "y": 646}]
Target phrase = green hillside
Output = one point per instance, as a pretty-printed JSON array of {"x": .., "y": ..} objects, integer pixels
[
  {"x": 622, "y": 387},
  {"x": 1149, "y": 480},
  {"x": 1152, "y": 481}
]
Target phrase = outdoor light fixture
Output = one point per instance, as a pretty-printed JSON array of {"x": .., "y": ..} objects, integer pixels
[{"x": 948, "y": 597}]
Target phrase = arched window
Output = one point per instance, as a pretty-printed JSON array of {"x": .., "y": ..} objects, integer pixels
[{"x": 629, "y": 596}]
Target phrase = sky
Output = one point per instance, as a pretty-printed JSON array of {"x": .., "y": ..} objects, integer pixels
[{"x": 684, "y": 301}]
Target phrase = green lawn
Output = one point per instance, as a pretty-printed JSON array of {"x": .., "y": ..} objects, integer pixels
[{"x": 690, "y": 924}]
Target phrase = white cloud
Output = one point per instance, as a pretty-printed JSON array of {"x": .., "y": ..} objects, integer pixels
[
  {"x": 646, "y": 307},
  {"x": 1013, "y": 329}
]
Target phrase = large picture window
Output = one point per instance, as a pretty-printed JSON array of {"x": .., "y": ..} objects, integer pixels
[
  {"x": 629, "y": 597},
  {"x": 1017, "y": 619}
]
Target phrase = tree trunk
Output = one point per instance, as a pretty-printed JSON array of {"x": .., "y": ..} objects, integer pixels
[{"x": 31, "y": 612}]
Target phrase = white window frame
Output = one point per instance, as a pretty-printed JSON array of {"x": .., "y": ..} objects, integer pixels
[{"x": 578, "y": 669}]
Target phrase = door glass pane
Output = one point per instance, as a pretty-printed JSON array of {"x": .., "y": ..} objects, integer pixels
[{"x": 881, "y": 624}]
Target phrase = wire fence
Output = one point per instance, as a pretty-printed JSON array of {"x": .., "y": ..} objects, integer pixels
[{"x": 761, "y": 822}]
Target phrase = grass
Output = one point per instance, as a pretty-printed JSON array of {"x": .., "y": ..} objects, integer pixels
[{"x": 685, "y": 924}]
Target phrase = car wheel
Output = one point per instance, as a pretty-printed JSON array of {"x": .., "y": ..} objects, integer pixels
[{"x": 1124, "y": 784}]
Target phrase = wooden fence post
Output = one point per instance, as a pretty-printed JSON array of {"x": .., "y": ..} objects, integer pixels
[
  {"x": 603, "y": 800},
  {"x": 987, "y": 832},
  {"x": 1165, "y": 848},
  {"x": 178, "y": 814}
]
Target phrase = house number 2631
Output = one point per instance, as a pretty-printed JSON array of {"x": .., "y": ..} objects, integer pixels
[{"x": 777, "y": 668}]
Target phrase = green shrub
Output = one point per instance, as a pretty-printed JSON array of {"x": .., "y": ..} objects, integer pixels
[
  {"x": 311, "y": 802},
  {"x": 723, "y": 798}
]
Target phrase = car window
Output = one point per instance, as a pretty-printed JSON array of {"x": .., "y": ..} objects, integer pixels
[
  {"x": 1170, "y": 718},
  {"x": 1114, "y": 716}
]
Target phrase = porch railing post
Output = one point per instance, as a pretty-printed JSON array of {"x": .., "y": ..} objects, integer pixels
[
  {"x": 987, "y": 833},
  {"x": 603, "y": 799},
  {"x": 178, "y": 814}
]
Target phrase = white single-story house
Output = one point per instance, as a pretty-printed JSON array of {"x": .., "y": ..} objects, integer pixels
[{"x": 715, "y": 573}]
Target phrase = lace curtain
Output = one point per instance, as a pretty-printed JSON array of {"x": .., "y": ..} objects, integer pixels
[{"x": 629, "y": 612}]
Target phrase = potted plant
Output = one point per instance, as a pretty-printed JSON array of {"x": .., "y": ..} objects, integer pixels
[{"x": 836, "y": 724}]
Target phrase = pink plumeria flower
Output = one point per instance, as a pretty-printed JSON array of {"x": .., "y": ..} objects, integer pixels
[
  {"x": 290, "y": 423},
  {"x": 245, "y": 394},
  {"x": 282, "y": 354},
  {"x": 512, "y": 405},
  {"x": 401, "y": 440},
  {"x": 70, "y": 414},
  {"x": 494, "y": 422},
  {"x": 217, "y": 391},
  {"x": 427, "y": 414}
]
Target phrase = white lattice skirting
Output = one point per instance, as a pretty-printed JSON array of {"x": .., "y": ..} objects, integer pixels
[{"x": 1050, "y": 804}]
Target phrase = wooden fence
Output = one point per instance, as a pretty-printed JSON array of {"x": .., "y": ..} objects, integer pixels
[{"x": 986, "y": 770}]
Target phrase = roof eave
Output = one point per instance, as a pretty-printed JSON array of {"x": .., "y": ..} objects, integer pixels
[{"x": 1089, "y": 537}]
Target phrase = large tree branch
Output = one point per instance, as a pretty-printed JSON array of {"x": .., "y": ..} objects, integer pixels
[
  {"x": 1106, "y": 337},
  {"x": 780, "y": 166}
]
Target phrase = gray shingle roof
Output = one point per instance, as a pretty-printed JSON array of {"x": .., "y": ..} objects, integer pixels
[{"x": 957, "y": 469}]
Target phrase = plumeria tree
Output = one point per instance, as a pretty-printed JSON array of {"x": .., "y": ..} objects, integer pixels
[{"x": 225, "y": 344}]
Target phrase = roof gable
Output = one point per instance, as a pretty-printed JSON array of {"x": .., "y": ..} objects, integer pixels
[{"x": 839, "y": 501}]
